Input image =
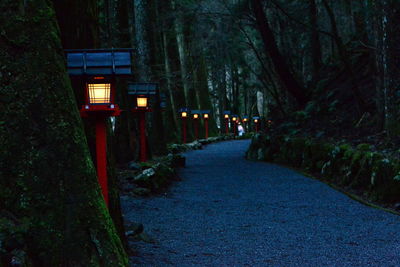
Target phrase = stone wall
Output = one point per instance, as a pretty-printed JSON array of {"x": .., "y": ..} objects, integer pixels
[{"x": 370, "y": 173}]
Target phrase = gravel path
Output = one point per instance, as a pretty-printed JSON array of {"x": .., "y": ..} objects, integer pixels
[{"x": 227, "y": 211}]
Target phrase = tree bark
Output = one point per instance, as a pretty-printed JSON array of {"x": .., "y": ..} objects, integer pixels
[
  {"x": 316, "y": 53},
  {"x": 271, "y": 48},
  {"x": 142, "y": 41},
  {"x": 48, "y": 185},
  {"x": 86, "y": 20},
  {"x": 344, "y": 56},
  {"x": 389, "y": 61},
  {"x": 182, "y": 54}
]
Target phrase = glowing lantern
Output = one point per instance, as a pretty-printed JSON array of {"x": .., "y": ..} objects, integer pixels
[
  {"x": 142, "y": 92},
  {"x": 184, "y": 112},
  {"x": 141, "y": 102},
  {"x": 98, "y": 68}
]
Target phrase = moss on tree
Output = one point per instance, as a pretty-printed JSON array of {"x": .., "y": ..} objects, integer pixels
[{"x": 50, "y": 201}]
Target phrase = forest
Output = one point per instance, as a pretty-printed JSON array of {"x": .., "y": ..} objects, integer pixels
[{"x": 311, "y": 71}]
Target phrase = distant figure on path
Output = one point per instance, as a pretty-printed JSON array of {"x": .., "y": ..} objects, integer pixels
[{"x": 240, "y": 129}]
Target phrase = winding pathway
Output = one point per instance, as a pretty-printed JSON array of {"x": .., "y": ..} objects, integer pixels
[{"x": 228, "y": 211}]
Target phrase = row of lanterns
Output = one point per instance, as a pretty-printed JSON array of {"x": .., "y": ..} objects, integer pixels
[
  {"x": 196, "y": 115},
  {"x": 99, "y": 104},
  {"x": 100, "y": 68},
  {"x": 236, "y": 120}
]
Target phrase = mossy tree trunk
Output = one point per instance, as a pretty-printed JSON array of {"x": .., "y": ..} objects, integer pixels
[
  {"x": 50, "y": 202},
  {"x": 82, "y": 32}
]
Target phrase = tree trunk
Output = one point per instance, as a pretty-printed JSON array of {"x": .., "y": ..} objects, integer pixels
[
  {"x": 344, "y": 56},
  {"x": 315, "y": 43},
  {"x": 83, "y": 33},
  {"x": 202, "y": 93},
  {"x": 390, "y": 60},
  {"x": 50, "y": 201},
  {"x": 148, "y": 56},
  {"x": 78, "y": 21},
  {"x": 271, "y": 48},
  {"x": 142, "y": 41},
  {"x": 171, "y": 69},
  {"x": 182, "y": 54}
]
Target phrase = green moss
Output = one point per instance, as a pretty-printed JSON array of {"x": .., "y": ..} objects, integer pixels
[
  {"x": 364, "y": 147},
  {"x": 360, "y": 168},
  {"x": 44, "y": 158}
]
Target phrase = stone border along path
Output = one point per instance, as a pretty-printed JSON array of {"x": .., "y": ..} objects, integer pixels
[{"x": 228, "y": 211}]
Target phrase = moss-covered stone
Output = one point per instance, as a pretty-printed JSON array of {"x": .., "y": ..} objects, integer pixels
[
  {"x": 360, "y": 168},
  {"x": 364, "y": 147}
]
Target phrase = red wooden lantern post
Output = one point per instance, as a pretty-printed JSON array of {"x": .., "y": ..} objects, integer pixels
[
  {"x": 141, "y": 109},
  {"x": 142, "y": 92},
  {"x": 269, "y": 124},
  {"x": 196, "y": 125},
  {"x": 205, "y": 117},
  {"x": 184, "y": 114},
  {"x": 256, "y": 123},
  {"x": 234, "y": 124},
  {"x": 99, "y": 103},
  {"x": 99, "y": 68},
  {"x": 226, "y": 117},
  {"x": 246, "y": 122},
  {"x": 184, "y": 134}
]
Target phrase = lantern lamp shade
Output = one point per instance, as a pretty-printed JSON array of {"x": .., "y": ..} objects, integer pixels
[
  {"x": 196, "y": 113},
  {"x": 92, "y": 62},
  {"x": 256, "y": 119},
  {"x": 99, "y": 93},
  {"x": 184, "y": 112},
  {"x": 142, "y": 89},
  {"x": 205, "y": 113},
  {"x": 226, "y": 116},
  {"x": 234, "y": 118},
  {"x": 141, "y": 102}
]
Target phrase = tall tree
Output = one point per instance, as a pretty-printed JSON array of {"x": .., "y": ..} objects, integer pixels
[
  {"x": 271, "y": 48},
  {"x": 180, "y": 40},
  {"x": 83, "y": 33},
  {"x": 315, "y": 42},
  {"x": 50, "y": 202},
  {"x": 344, "y": 56},
  {"x": 388, "y": 62}
]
